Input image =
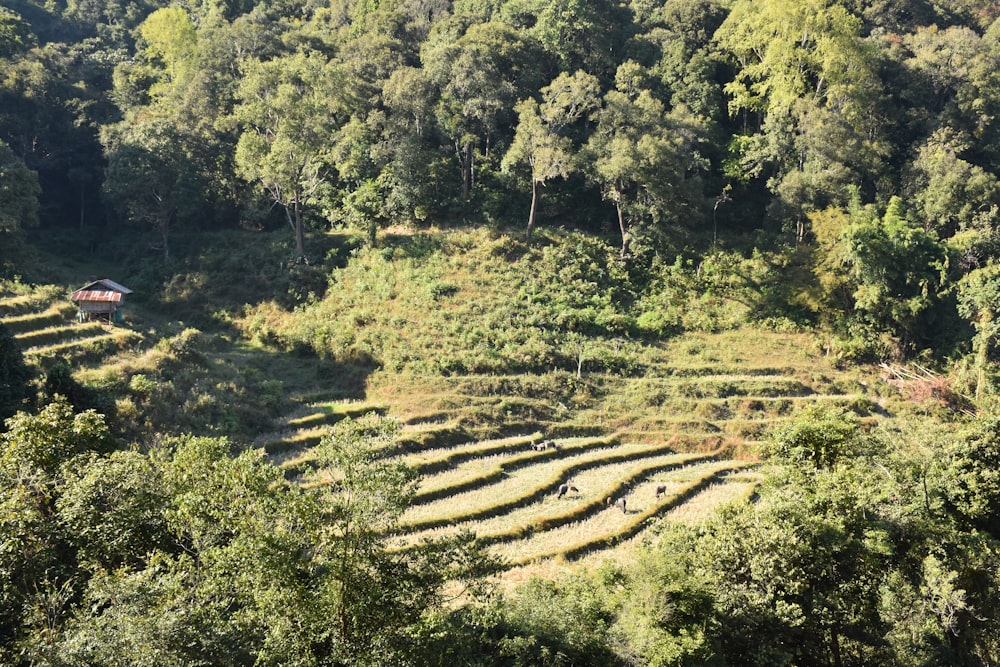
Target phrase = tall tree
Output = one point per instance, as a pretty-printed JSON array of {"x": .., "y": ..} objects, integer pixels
[
  {"x": 897, "y": 269},
  {"x": 540, "y": 139},
  {"x": 547, "y": 154},
  {"x": 150, "y": 176},
  {"x": 583, "y": 34},
  {"x": 642, "y": 158},
  {"x": 15, "y": 375},
  {"x": 19, "y": 192},
  {"x": 479, "y": 75},
  {"x": 169, "y": 160},
  {"x": 289, "y": 111},
  {"x": 978, "y": 298},
  {"x": 951, "y": 194},
  {"x": 803, "y": 74}
]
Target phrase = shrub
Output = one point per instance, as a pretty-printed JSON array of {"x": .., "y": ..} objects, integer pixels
[{"x": 186, "y": 346}]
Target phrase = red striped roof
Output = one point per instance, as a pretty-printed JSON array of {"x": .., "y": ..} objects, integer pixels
[{"x": 96, "y": 295}]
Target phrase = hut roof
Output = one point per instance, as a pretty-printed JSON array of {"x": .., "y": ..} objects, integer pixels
[
  {"x": 105, "y": 284},
  {"x": 96, "y": 295}
]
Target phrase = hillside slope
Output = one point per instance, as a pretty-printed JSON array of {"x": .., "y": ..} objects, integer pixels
[{"x": 481, "y": 348}]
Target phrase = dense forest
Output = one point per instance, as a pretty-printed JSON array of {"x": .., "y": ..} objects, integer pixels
[
  {"x": 628, "y": 171},
  {"x": 857, "y": 139}
]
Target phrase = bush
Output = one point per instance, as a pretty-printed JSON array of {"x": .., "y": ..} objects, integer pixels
[{"x": 187, "y": 346}]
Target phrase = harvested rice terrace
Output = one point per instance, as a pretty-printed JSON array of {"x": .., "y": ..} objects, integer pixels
[
  {"x": 693, "y": 508},
  {"x": 476, "y": 489},
  {"x": 671, "y": 424},
  {"x": 24, "y": 324},
  {"x": 606, "y": 528},
  {"x": 60, "y": 333},
  {"x": 14, "y": 306},
  {"x": 674, "y": 431},
  {"x": 45, "y": 328},
  {"x": 629, "y": 479},
  {"x": 582, "y": 525}
]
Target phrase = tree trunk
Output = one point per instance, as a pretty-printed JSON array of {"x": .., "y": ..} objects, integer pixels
[
  {"x": 466, "y": 172},
  {"x": 300, "y": 239},
  {"x": 531, "y": 214},
  {"x": 621, "y": 226},
  {"x": 164, "y": 233},
  {"x": 835, "y": 647}
]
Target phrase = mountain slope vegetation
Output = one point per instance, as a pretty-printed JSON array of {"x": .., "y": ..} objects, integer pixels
[{"x": 500, "y": 332}]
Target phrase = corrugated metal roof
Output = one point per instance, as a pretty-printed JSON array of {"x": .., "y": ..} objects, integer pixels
[
  {"x": 108, "y": 284},
  {"x": 96, "y": 295}
]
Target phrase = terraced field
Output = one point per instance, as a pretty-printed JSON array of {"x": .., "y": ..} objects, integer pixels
[
  {"x": 675, "y": 443},
  {"x": 43, "y": 324},
  {"x": 670, "y": 441}
]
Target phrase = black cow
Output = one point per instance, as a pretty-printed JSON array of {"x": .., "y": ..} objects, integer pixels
[{"x": 565, "y": 488}]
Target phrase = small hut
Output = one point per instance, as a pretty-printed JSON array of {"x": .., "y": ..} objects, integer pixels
[{"x": 101, "y": 299}]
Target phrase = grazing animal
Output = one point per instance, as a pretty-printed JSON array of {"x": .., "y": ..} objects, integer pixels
[
  {"x": 545, "y": 444},
  {"x": 621, "y": 503},
  {"x": 608, "y": 501},
  {"x": 566, "y": 488},
  {"x": 660, "y": 490}
]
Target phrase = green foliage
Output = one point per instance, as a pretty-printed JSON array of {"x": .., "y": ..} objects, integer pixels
[
  {"x": 15, "y": 375},
  {"x": 950, "y": 193},
  {"x": 18, "y": 194},
  {"x": 871, "y": 128},
  {"x": 149, "y": 179},
  {"x": 170, "y": 37},
  {"x": 288, "y": 109},
  {"x": 187, "y": 554},
  {"x": 37, "y": 453},
  {"x": 574, "y": 285},
  {"x": 47, "y": 440},
  {"x": 112, "y": 511},
  {"x": 643, "y": 160},
  {"x": 188, "y": 346},
  {"x": 59, "y": 381},
  {"x": 15, "y": 33},
  {"x": 820, "y": 436},
  {"x": 973, "y": 475},
  {"x": 555, "y": 623},
  {"x": 664, "y": 609},
  {"x": 540, "y": 139},
  {"x": 897, "y": 269}
]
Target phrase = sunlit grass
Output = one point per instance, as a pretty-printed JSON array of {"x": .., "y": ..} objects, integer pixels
[
  {"x": 100, "y": 344},
  {"x": 525, "y": 481},
  {"x": 702, "y": 506},
  {"x": 593, "y": 485},
  {"x": 570, "y": 452},
  {"x": 605, "y": 525}
]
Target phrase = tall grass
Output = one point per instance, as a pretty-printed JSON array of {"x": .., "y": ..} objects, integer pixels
[{"x": 463, "y": 303}]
